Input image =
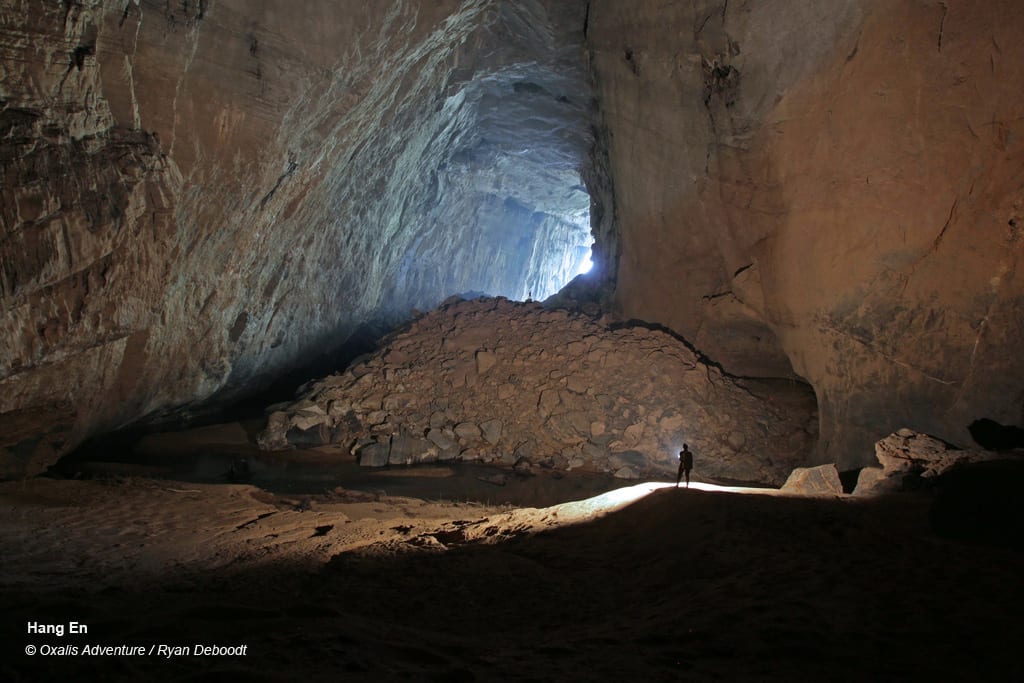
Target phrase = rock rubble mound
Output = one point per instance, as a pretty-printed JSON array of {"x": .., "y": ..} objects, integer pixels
[{"x": 519, "y": 385}]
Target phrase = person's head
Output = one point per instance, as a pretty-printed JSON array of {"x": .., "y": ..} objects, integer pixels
[{"x": 686, "y": 447}]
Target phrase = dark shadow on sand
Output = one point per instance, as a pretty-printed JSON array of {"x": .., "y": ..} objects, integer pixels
[{"x": 709, "y": 585}]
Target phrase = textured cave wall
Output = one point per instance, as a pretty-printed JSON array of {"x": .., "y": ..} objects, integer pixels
[
  {"x": 827, "y": 190},
  {"x": 199, "y": 195}
]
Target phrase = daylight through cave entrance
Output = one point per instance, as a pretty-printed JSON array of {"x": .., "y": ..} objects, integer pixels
[
  {"x": 587, "y": 262},
  {"x": 559, "y": 249},
  {"x": 258, "y": 419},
  {"x": 508, "y": 167}
]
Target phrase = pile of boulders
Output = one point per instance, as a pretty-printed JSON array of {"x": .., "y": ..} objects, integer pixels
[
  {"x": 498, "y": 381},
  {"x": 910, "y": 461}
]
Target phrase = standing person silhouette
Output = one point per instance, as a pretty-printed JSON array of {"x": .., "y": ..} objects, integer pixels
[{"x": 685, "y": 465}]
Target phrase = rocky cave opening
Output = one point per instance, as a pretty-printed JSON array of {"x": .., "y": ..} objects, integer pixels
[{"x": 362, "y": 339}]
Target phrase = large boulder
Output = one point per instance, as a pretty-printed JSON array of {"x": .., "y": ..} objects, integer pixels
[
  {"x": 374, "y": 454},
  {"x": 910, "y": 461},
  {"x": 411, "y": 450},
  {"x": 822, "y": 480}
]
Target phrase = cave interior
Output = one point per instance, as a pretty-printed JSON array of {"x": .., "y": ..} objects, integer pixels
[{"x": 362, "y": 339}]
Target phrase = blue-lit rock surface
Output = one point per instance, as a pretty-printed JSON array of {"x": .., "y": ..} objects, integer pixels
[{"x": 198, "y": 196}]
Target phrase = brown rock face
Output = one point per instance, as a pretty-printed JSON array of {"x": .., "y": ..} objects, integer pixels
[
  {"x": 832, "y": 190},
  {"x": 197, "y": 196}
]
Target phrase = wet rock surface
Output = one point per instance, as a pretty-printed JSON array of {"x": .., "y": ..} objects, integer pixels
[{"x": 511, "y": 383}]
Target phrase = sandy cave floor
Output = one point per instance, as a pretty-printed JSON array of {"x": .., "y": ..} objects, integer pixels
[{"x": 643, "y": 583}]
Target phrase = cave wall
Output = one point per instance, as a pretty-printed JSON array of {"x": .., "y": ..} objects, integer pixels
[
  {"x": 831, "y": 191},
  {"x": 197, "y": 196}
]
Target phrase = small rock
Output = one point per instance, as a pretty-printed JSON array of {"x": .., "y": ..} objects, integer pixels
[
  {"x": 492, "y": 431},
  {"x": 548, "y": 402},
  {"x": 446, "y": 454},
  {"x": 576, "y": 348},
  {"x": 338, "y": 408},
  {"x": 577, "y": 383},
  {"x": 873, "y": 480},
  {"x": 317, "y": 435},
  {"x": 523, "y": 465},
  {"x": 274, "y": 438},
  {"x": 308, "y": 406},
  {"x": 626, "y": 473},
  {"x": 468, "y": 431},
  {"x": 524, "y": 450},
  {"x": 410, "y": 450},
  {"x": 485, "y": 360},
  {"x": 443, "y": 439},
  {"x": 736, "y": 440},
  {"x": 633, "y": 433},
  {"x": 399, "y": 400},
  {"x": 307, "y": 419},
  {"x": 634, "y": 459},
  {"x": 374, "y": 454}
]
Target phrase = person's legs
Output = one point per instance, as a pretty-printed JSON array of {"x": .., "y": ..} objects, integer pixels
[{"x": 687, "y": 478}]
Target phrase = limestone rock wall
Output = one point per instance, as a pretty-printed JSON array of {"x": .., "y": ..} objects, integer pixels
[
  {"x": 498, "y": 381},
  {"x": 827, "y": 190},
  {"x": 198, "y": 195}
]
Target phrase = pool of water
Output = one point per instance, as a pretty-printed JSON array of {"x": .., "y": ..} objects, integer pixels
[{"x": 318, "y": 471}]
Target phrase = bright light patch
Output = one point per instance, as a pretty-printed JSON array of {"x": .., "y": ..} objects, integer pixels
[
  {"x": 590, "y": 508},
  {"x": 586, "y": 264},
  {"x": 582, "y": 510}
]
